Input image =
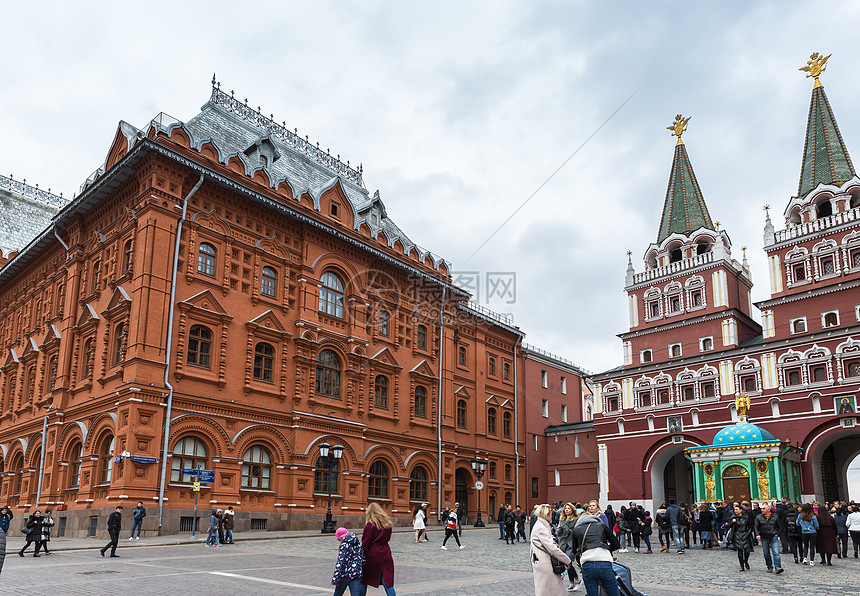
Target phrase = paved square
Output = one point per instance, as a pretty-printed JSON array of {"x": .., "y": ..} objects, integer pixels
[{"x": 303, "y": 567}]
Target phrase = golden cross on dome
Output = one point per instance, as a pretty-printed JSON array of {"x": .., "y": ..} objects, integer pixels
[
  {"x": 629, "y": 253},
  {"x": 767, "y": 207},
  {"x": 678, "y": 127},
  {"x": 815, "y": 66}
]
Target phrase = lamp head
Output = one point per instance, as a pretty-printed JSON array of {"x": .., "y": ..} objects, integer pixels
[
  {"x": 337, "y": 451},
  {"x": 324, "y": 449}
]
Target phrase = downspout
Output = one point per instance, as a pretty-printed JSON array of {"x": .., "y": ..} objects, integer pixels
[
  {"x": 439, "y": 406},
  {"x": 168, "y": 351},
  {"x": 517, "y": 419},
  {"x": 42, "y": 459},
  {"x": 57, "y": 236}
]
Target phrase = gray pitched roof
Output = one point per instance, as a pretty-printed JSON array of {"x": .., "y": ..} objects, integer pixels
[{"x": 25, "y": 211}]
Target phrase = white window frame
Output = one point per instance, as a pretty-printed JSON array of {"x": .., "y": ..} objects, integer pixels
[
  {"x": 824, "y": 314},
  {"x": 791, "y": 325},
  {"x": 564, "y": 412},
  {"x": 544, "y": 379},
  {"x": 702, "y": 344},
  {"x": 680, "y": 350},
  {"x": 534, "y": 443},
  {"x": 563, "y": 385},
  {"x": 651, "y": 352},
  {"x": 544, "y": 408}
]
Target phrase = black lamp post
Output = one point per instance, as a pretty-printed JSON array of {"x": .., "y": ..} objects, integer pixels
[
  {"x": 329, "y": 458},
  {"x": 479, "y": 465}
]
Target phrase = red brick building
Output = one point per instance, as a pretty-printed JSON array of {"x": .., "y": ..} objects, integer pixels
[
  {"x": 223, "y": 293},
  {"x": 693, "y": 346},
  {"x": 561, "y": 444}
]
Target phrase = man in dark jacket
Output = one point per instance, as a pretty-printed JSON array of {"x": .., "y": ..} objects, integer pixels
[
  {"x": 33, "y": 529},
  {"x": 768, "y": 527},
  {"x": 137, "y": 514},
  {"x": 501, "y": 519},
  {"x": 114, "y": 525},
  {"x": 679, "y": 522},
  {"x": 520, "y": 519},
  {"x": 610, "y": 516}
]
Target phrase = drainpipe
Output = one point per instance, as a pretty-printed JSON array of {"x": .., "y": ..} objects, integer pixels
[
  {"x": 517, "y": 419},
  {"x": 57, "y": 236},
  {"x": 439, "y": 405},
  {"x": 42, "y": 459},
  {"x": 167, "y": 384}
]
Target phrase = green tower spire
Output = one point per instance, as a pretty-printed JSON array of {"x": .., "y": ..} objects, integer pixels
[
  {"x": 684, "y": 209},
  {"x": 825, "y": 158}
]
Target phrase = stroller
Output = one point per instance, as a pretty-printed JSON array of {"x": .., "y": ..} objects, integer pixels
[{"x": 625, "y": 583}]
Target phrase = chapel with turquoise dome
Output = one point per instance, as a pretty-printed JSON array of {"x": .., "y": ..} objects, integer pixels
[{"x": 745, "y": 463}]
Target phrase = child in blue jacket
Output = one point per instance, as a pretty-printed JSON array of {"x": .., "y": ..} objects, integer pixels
[{"x": 350, "y": 564}]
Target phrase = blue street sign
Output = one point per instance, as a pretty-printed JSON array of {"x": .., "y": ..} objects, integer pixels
[
  {"x": 206, "y": 476},
  {"x": 141, "y": 459},
  {"x": 189, "y": 472},
  {"x": 118, "y": 459}
]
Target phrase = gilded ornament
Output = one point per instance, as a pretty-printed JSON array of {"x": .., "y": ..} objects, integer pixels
[
  {"x": 742, "y": 403},
  {"x": 763, "y": 487},
  {"x": 678, "y": 127},
  {"x": 815, "y": 66}
]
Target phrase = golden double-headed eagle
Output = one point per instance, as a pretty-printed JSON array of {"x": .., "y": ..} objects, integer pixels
[
  {"x": 679, "y": 126},
  {"x": 815, "y": 66}
]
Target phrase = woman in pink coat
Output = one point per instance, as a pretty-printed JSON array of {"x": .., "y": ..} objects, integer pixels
[{"x": 547, "y": 583}]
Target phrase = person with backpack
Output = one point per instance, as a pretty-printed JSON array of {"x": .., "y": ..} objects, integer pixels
[
  {"x": 450, "y": 522},
  {"x": 678, "y": 520},
  {"x": 349, "y": 565},
  {"x": 793, "y": 530},
  {"x": 664, "y": 526},
  {"x": 623, "y": 530},
  {"x": 594, "y": 543}
]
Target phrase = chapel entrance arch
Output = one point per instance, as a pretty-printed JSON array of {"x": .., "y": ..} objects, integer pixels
[
  {"x": 829, "y": 456},
  {"x": 671, "y": 475}
]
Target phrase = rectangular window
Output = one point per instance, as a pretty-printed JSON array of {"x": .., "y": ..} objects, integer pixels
[
  {"x": 535, "y": 488},
  {"x": 534, "y": 443},
  {"x": 544, "y": 408},
  {"x": 576, "y": 447},
  {"x": 706, "y": 344},
  {"x": 564, "y": 413},
  {"x": 544, "y": 379},
  {"x": 557, "y": 477},
  {"x": 830, "y": 319},
  {"x": 564, "y": 386},
  {"x": 258, "y": 523}
]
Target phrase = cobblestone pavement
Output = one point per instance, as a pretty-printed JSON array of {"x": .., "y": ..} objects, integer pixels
[{"x": 303, "y": 566}]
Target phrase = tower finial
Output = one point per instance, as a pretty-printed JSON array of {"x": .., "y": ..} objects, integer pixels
[
  {"x": 815, "y": 66},
  {"x": 678, "y": 127}
]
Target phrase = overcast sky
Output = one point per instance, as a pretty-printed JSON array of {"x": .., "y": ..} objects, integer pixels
[{"x": 460, "y": 111}]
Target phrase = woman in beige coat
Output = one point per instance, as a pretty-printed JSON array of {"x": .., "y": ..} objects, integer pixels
[{"x": 547, "y": 583}]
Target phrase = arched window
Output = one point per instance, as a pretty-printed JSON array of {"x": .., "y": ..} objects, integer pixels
[
  {"x": 206, "y": 259},
  {"x": 831, "y": 319},
  {"x": 380, "y": 392},
  {"x": 383, "y": 322},
  {"x": 420, "y": 406},
  {"x": 491, "y": 366},
  {"x": 461, "y": 356},
  {"x": 507, "y": 472},
  {"x": 506, "y": 425},
  {"x": 89, "y": 355},
  {"x": 188, "y": 453},
  {"x": 126, "y": 257},
  {"x": 675, "y": 254},
  {"x": 824, "y": 208},
  {"x": 325, "y": 478},
  {"x": 418, "y": 484},
  {"x": 331, "y": 295},
  {"x": 328, "y": 374},
  {"x": 52, "y": 373},
  {"x": 97, "y": 275},
  {"x": 106, "y": 460},
  {"x": 264, "y": 359},
  {"x": 461, "y": 413},
  {"x": 506, "y": 368},
  {"x": 798, "y": 326},
  {"x": 75, "y": 465},
  {"x": 377, "y": 480},
  {"x": 421, "y": 337},
  {"x": 18, "y": 474},
  {"x": 508, "y": 497},
  {"x": 256, "y": 468},
  {"x": 199, "y": 346},
  {"x": 118, "y": 341},
  {"x": 269, "y": 282},
  {"x": 492, "y": 469},
  {"x": 491, "y": 421}
]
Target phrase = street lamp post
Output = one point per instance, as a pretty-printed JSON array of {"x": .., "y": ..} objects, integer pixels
[
  {"x": 479, "y": 465},
  {"x": 329, "y": 459}
]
